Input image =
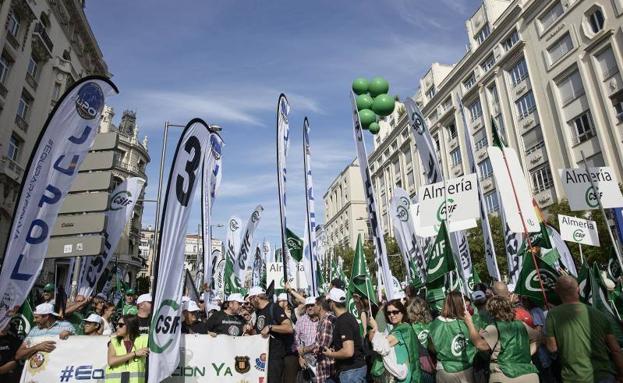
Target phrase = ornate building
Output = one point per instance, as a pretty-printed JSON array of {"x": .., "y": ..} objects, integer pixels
[{"x": 45, "y": 46}]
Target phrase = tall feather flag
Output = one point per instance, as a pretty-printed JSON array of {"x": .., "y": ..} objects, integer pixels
[
  {"x": 61, "y": 146},
  {"x": 283, "y": 137},
  {"x": 244, "y": 251},
  {"x": 440, "y": 259},
  {"x": 231, "y": 281},
  {"x": 490, "y": 257},
  {"x": 211, "y": 175},
  {"x": 310, "y": 254},
  {"x": 360, "y": 279}
]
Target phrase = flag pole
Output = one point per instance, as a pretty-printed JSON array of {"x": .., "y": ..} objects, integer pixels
[
  {"x": 525, "y": 229},
  {"x": 603, "y": 212},
  {"x": 280, "y": 192},
  {"x": 581, "y": 255},
  {"x": 307, "y": 196}
]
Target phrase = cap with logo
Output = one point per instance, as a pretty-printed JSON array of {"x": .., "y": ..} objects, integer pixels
[
  {"x": 143, "y": 298},
  {"x": 282, "y": 297},
  {"x": 49, "y": 288},
  {"x": 45, "y": 309},
  {"x": 256, "y": 290},
  {"x": 310, "y": 301},
  {"x": 130, "y": 292},
  {"x": 190, "y": 306},
  {"x": 235, "y": 297},
  {"x": 337, "y": 295},
  {"x": 93, "y": 318},
  {"x": 478, "y": 296}
]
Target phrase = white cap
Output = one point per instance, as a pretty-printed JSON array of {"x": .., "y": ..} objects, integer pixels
[
  {"x": 185, "y": 299},
  {"x": 337, "y": 295},
  {"x": 282, "y": 297},
  {"x": 101, "y": 296},
  {"x": 478, "y": 296},
  {"x": 210, "y": 307},
  {"x": 235, "y": 297},
  {"x": 256, "y": 290},
  {"x": 94, "y": 318},
  {"x": 143, "y": 298},
  {"x": 45, "y": 309},
  {"x": 190, "y": 306},
  {"x": 310, "y": 301}
]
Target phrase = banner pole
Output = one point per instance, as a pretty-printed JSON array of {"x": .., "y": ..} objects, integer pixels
[
  {"x": 603, "y": 212},
  {"x": 156, "y": 241},
  {"x": 581, "y": 255},
  {"x": 525, "y": 229}
]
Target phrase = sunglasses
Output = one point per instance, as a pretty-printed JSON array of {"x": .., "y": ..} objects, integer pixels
[
  {"x": 120, "y": 324},
  {"x": 393, "y": 312}
]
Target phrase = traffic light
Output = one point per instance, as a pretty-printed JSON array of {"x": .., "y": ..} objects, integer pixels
[{"x": 372, "y": 101}]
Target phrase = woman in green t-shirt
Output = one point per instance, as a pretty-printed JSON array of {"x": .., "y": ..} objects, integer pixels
[
  {"x": 510, "y": 341},
  {"x": 449, "y": 340},
  {"x": 399, "y": 349},
  {"x": 420, "y": 317}
]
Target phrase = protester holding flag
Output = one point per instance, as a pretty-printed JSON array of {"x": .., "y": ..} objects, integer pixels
[
  {"x": 400, "y": 349},
  {"x": 583, "y": 338},
  {"x": 127, "y": 352},
  {"x": 449, "y": 340},
  {"x": 511, "y": 343}
]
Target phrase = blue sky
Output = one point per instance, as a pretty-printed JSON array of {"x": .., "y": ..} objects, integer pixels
[{"x": 227, "y": 62}]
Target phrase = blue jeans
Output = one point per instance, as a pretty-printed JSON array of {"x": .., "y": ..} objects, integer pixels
[{"x": 357, "y": 375}]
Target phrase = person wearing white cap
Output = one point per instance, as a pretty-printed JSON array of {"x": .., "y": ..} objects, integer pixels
[
  {"x": 192, "y": 324},
  {"x": 305, "y": 329},
  {"x": 92, "y": 324},
  {"x": 347, "y": 346},
  {"x": 47, "y": 325},
  {"x": 270, "y": 319},
  {"x": 228, "y": 321},
  {"x": 144, "y": 313}
]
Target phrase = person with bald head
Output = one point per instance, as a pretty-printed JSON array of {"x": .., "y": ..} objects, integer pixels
[{"x": 583, "y": 338}]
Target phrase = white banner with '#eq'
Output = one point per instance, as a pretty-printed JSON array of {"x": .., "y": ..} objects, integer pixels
[{"x": 203, "y": 358}]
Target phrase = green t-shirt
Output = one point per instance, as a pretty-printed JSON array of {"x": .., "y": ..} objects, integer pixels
[
  {"x": 421, "y": 331},
  {"x": 580, "y": 333},
  {"x": 450, "y": 337}
]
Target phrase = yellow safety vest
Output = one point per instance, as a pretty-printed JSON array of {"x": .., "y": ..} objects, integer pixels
[{"x": 132, "y": 371}]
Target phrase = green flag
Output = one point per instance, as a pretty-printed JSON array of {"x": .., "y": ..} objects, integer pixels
[
  {"x": 23, "y": 321},
  {"x": 295, "y": 245},
  {"x": 360, "y": 280},
  {"x": 231, "y": 285},
  {"x": 416, "y": 282},
  {"x": 439, "y": 257},
  {"x": 528, "y": 281},
  {"x": 599, "y": 299},
  {"x": 498, "y": 140},
  {"x": 584, "y": 283}
]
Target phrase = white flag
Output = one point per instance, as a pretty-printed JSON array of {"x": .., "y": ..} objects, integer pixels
[
  {"x": 310, "y": 254},
  {"x": 120, "y": 210},
  {"x": 211, "y": 179},
  {"x": 404, "y": 228},
  {"x": 165, "y": 329},
  {"x": 58, "y": 152},
  {"x": 283, "y": 137},
  {"x": 244, "y": 251}
]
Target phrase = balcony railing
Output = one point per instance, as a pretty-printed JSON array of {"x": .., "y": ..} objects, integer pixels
[
  {"x": 21, "y": 123},
  {"x": 40, "y": 35},
  {"x": 11, "y": 168}
]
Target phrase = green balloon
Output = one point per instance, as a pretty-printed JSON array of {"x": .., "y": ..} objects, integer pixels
[
  {"x": 364, "y": 101},
  {"x": 360, "y": 85},
  {"x": 383, "y": 105},
  {"x": 366, "y": 116},
  {"x": 374, "y": 127},
  {"x": 377, "y": 86}
]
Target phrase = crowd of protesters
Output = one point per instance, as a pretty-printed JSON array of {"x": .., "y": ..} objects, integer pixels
[{"x": 491, "y": 335}]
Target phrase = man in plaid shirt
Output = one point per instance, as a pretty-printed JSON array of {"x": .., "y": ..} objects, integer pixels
[{"x": 324, "y": 337}]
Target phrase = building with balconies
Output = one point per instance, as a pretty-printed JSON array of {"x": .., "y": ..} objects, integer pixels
[
  {"x": 547, "y": 72},
  {"x": 45, "y": 46}
]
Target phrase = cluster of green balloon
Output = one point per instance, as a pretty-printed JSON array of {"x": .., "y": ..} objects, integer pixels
[{"x": 373, "y": 101}]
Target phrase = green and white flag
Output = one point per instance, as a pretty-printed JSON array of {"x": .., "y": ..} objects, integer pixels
[
  {"x": 599, "y": 294},
  {"x": 360, "y": 280},
  {"x": 295, "y": 245},
  {"x": 584, "y": 284},
  {"x": 440, "y": 260},
  {"x": 528, "y": 284},
  {"x": 232, "y": 244}
]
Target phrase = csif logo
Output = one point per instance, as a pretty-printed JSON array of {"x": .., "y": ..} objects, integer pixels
[
  {"x": 233, "y": 225},
  {"x": 458, "y": 345},
  {"x": 578, "y": 235},
  {"x": 592, "y": 198},
  {"x": 549, "y": 280},
  {"x": 441, "y": 211},
  {"x": 120, "y": 200},
  {"x": 164, "y": 326},
  {"x": 89, "y": 101}
]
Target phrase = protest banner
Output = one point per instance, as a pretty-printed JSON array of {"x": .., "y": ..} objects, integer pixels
[
  {"x": 274, "y": 273},
  {"x": 459, "y": 194},
  {"x": 580, "y": 192},
  {"x": 203, "y": 358},
  {"x": 578, "y": 230}
]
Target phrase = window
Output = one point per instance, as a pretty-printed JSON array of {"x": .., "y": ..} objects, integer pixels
[
  {"x": 23, "y": 106},
  {"x": 488, "y": 63},
  {"x": 407, "y": 156},
  {"x": 594, "y": 161},
  {"x": 485, "y": 169},
  {"x": 5, "y": 65},
  {"x": 617, "y": 102},
  {"x": 596, "y": 20},
  {"x": 410, "y": 179},
  {"x": 499, "y": 122},
  {"x": 14, "y": 148},
  {"x": 525, "y": 105},
  {"x": 397, "y": 168},
  {"x": 519, "y": 71},
  {"x": 475, "y": 110},
  {"x": 447, "y": 105},
  {"x": 491, "y": 200},
  {"x": 452, "y": 131},
  {"x": 510, "y": 41},
  {"x": 560, "y": 48},
  {"x": 607, "y": 64},
  {"x": 551, "y": 15},
  {"x": 455, "y": 155},
  {"x": 541, "y": 178},
  {"x": 482, "y": 34},
  {"x": 493, "y": 93},
  {"x": 480, "y": 139},
  {"x": 471, "y": 80},
  {"x": 56, "y": 92},
  {"x": 571, "y": 87},
  {"x": 533, "y": 140},
  {"x": 430, "y": 92},
  {"x": 583, "y": 127},
  {"x": 12, "y": 25},
  {"x": 33, "y": 67}
]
